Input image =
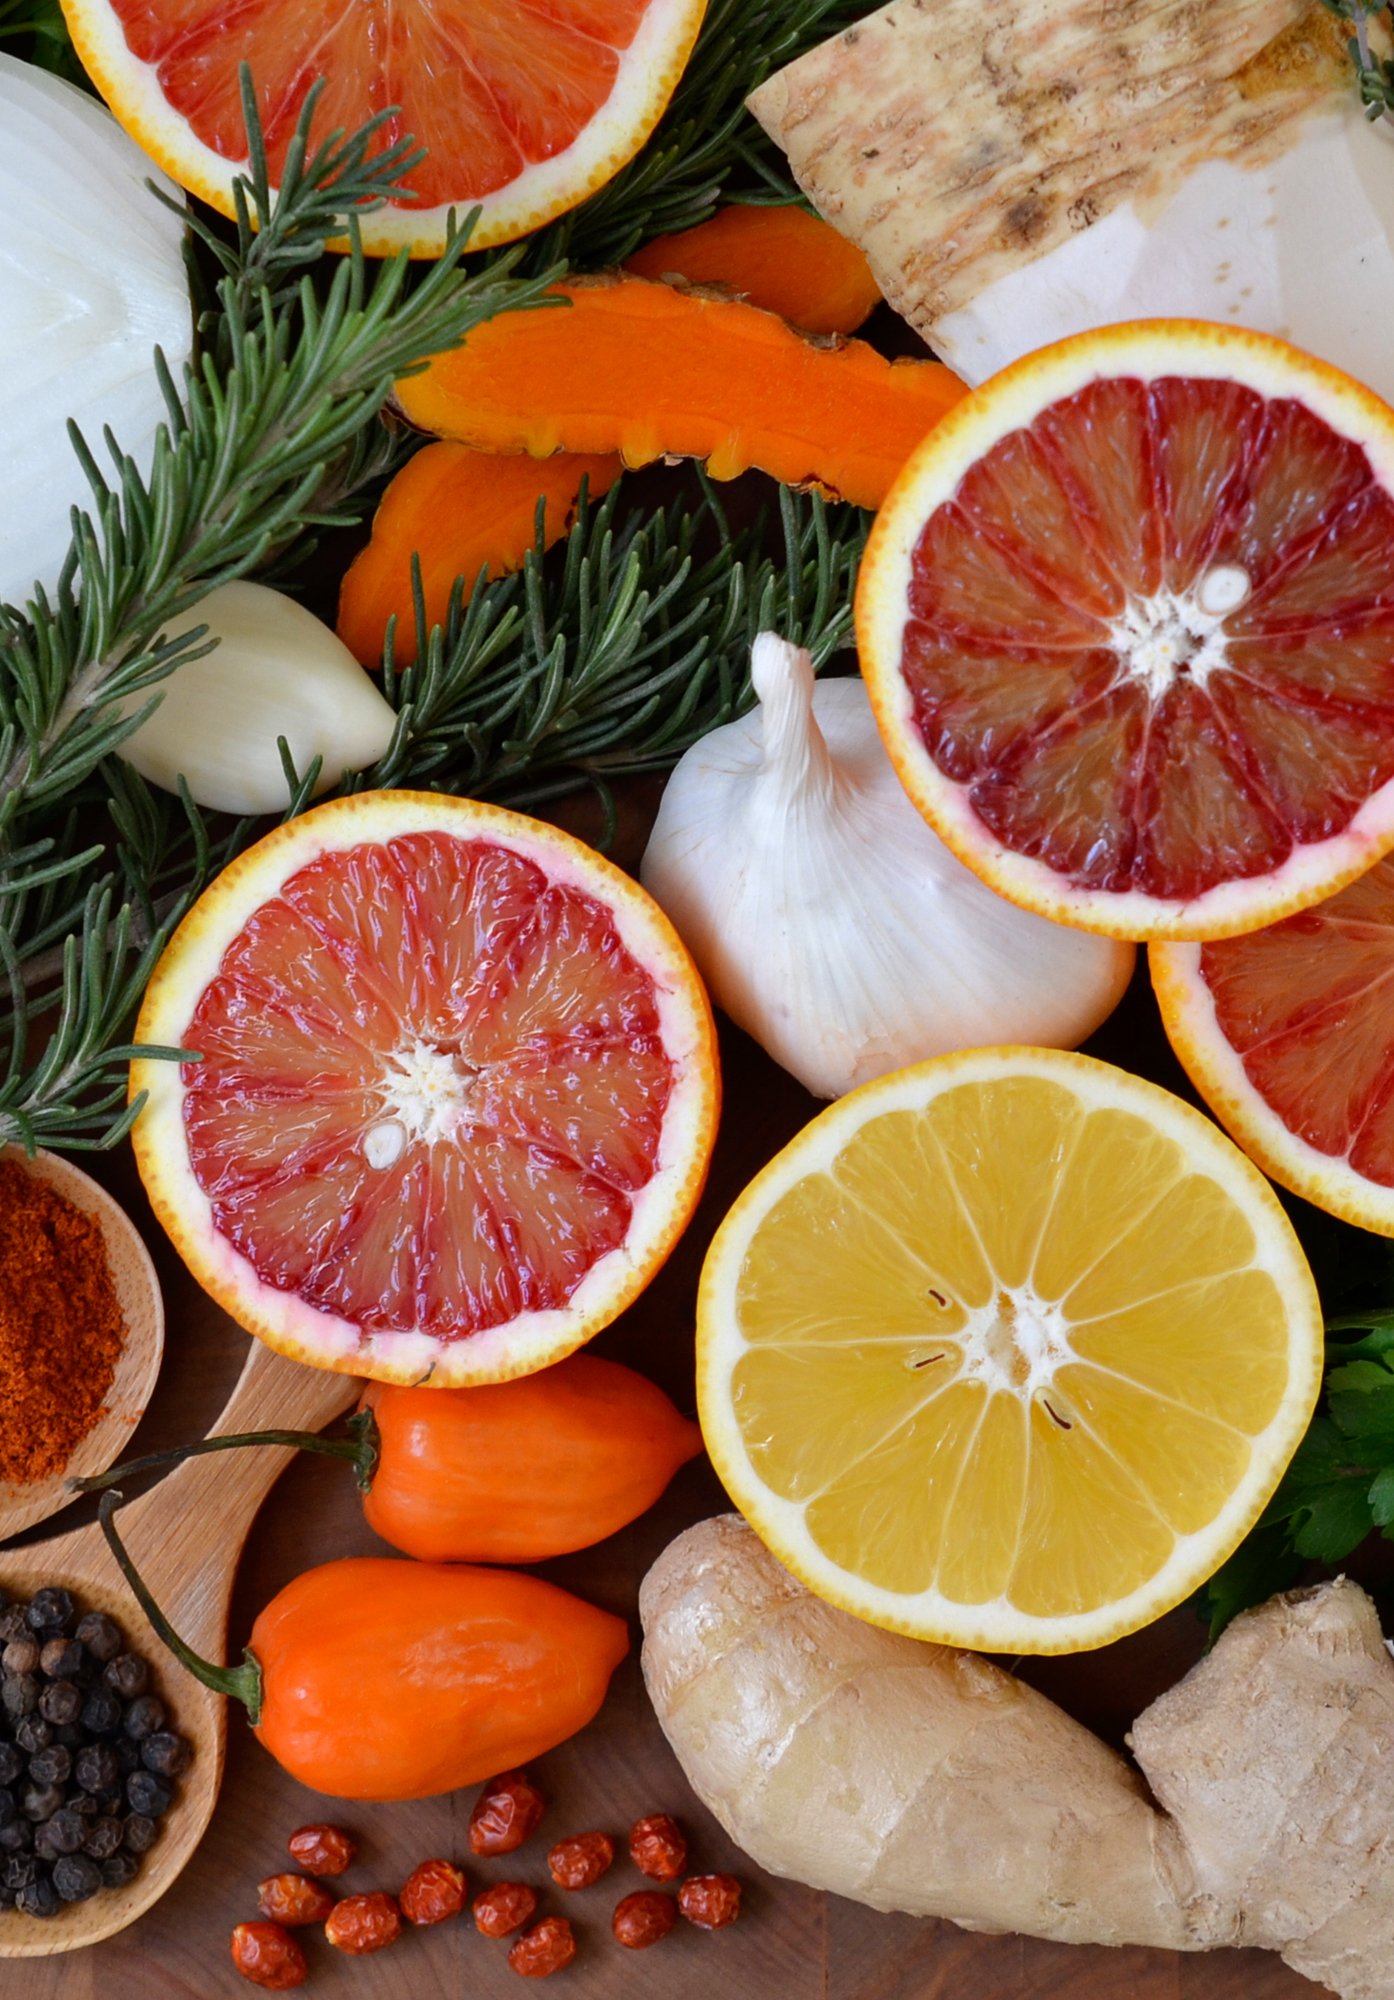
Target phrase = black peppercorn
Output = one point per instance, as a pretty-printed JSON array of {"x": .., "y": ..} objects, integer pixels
[
  {"x": 19, "y": 1869},
  {"x": 53, "y": 1766},
  {"x": 104, "y": 1837},
  {"x": 9, "y": 1805},
  {"x": 61, "y": 1702},
  {"x": 102, "y": 1636},
  {"x": 76, "y": 1878},
  {"x": 44, "y": 1848},
  {"x": 79, "y": 1802},
  {"x": 61, "y": 1659},
  {"x": 101, "y": 1712},
  {"x": 139, "y": 1832},
  {"x": 21, "y": 1656},
  {"x": 17, "y": 1837},
  {"x": 66, "y": 1830},
  {"x": 148, "y": 1794},
  {"x": 166, "y": 1754},
  {"x": 96, "y": 1768},
  {"x": 33, "y": 1733},
  {"x": 119, "y": 1870},
  {"x": 127, "y": 1753},
  {"x": 11, "y": 1763},
  {"x": 144, "y": 1716},
  {"x": 19, "y": 1694},
  {"x": 41, "y": 1802},
  {"x": 51, "y": 1610},
  {"x": 127, "y": 1675},
  {"x": 39, "y": 1898}
]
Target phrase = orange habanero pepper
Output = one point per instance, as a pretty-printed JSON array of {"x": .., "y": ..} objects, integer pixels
[{"x": 371, "y": 1678}]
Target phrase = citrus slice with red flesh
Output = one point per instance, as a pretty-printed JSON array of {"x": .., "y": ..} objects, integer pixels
[
  {"x": 524, "y": 107},
  {"x": 1127, "y": 623},
  {"x": 456, "y": 1092},
  {"x": 1288, "y": 1034}
]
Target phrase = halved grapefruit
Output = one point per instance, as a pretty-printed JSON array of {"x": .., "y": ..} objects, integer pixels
[
  {"x": 455, "y": 1095},
  {"x": 524, "y": 106},
  {"x": 1127, "y": 623},
  {"x": 1288, "y": 1034}
]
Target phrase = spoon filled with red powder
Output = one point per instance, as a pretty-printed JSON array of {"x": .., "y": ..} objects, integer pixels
[{"x": 81, "y": 1332}]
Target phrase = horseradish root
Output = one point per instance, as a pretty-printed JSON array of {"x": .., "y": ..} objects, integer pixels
[{"x": 919, "y": 1778}]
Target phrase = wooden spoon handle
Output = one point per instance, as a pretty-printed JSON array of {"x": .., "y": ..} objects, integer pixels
[{"x": 185, "y": 1533}]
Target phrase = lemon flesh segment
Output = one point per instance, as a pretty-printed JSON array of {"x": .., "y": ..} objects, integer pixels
[{"x": 1009, "y": 1349}]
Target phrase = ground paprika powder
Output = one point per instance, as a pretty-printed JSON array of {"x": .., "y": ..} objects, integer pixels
[{"x": 61, "y": 1329}]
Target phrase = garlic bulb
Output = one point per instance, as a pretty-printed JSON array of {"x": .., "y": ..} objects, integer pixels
[
  {"x": 829, "y": 921},
  {"x": 276, "y": 671},
  {"x": 92, "y": 279}
]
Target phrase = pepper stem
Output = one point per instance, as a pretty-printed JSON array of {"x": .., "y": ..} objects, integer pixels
[
  {"x": 362, "y": 1450},
  {"x": 242, "y": 1683}
]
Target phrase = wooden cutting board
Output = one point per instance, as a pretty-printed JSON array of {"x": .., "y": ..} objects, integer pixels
[{"x": 790, "y": 1943}]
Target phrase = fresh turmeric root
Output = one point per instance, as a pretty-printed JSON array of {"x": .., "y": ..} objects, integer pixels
[
  {"x": 916, "y": 1777},
  {"x": 458, "y": 510},
  {"x": 784, "y": 259},
  {"x": 649, "y": 371}
]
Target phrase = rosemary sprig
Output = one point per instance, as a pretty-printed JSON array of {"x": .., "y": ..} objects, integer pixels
[{"x": 1374, "y": 73}]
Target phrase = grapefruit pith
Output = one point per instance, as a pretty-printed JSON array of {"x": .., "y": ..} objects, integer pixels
[
  {"x": 525, "y": 107},
  {"x": 1127, "y": 623},
  {"x": 1288, "y": 1034},
  {"x": 455, "y": 1092}
]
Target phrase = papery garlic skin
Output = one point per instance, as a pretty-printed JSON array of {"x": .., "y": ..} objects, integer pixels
[
  {"x": 92, "y": 280},
  {"x": 829, "y": 921},
  {"x": 276, "y": 671}
]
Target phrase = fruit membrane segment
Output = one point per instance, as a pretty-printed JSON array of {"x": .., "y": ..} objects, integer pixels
[
  {"x": 1307, "y": 1005},
  {"x": 893, "y": 1306},
  {"x": 486, "y": 86},
  {"x": 1064, "y": 667},
  {"x": 432, "y": 1083}
]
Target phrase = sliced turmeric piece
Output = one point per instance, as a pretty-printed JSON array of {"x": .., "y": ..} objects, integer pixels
[
  {"x": 782, "y": 258},
  {"x": 457, "y": 510},
  {"x": 650, "y": 372}
]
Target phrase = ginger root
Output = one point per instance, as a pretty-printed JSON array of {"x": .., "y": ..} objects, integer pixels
[{"x": 919, "y": 1778}]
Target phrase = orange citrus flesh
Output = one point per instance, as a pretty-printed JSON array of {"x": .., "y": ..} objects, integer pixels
[
  {"x": 1289, "y": 1034},
  {"x": 1119, "y": 493},
  {"x": 1146, "y": 644},
  {"x": 523, "y": 80},
  {"x": 524, "y": 107},
  {"x": 455, "y": 1092},
  {"x": 376, "y": 952}
]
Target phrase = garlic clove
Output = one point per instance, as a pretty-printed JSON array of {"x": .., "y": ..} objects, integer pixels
[
  {"x": 827, "y": 918},
  {"x": 276, "y": 671}
]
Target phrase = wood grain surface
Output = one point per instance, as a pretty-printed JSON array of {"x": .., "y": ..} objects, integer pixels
[{"x": 790, "y": 1943}]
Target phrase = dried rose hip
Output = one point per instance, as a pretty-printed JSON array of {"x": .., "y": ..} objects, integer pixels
[
  {"x": 431, "y": 1893},
  {"x": 324, "y": 1850},
  {"x": 658, "y": 1848},
  {"x": 581, "y": 1860},
  {"x": 294, "y": 1899},
  {"x": 710, "y": 1901},
  {"x": 363, "y": 1923},
  {"x": 503, "y": 1908},
  {"x": 268, "y": 1956},
  {"x": 505, "y": 1813},
  {"x": 643, "y": 1918},
  {"x": 543, "y": 1950}
]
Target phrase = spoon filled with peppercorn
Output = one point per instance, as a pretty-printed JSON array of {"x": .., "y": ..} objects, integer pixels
[
  {"x": 110, "y": 1754},
  {"x": 77, "y": 1286}
]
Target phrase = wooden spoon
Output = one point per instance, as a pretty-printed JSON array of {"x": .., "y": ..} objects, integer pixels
[
  {"x": 138, "y": 1296},
  {"x": 185, "y": 1536}
]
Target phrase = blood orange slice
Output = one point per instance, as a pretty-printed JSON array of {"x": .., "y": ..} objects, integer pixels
[
  {"x": 1288, "y": 1034},
  {"x": 524, "y": 106},
  {"x": 456, "y": 1092},
  {"x": 1127, "y": 622}
]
